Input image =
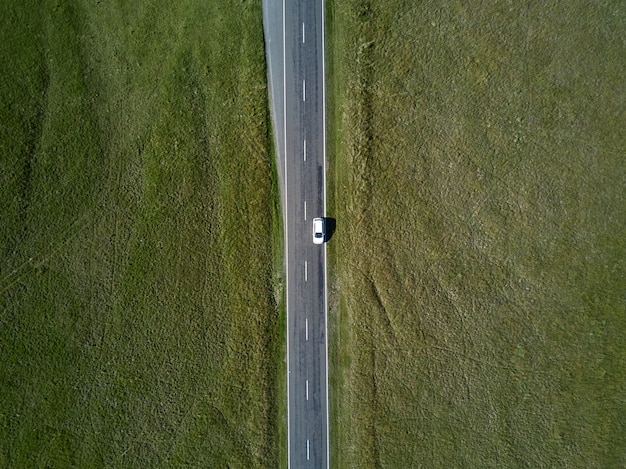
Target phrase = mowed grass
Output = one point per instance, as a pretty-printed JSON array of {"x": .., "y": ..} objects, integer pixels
[
  {"x": 480, "y": 291},
  {"x": 138, "y": 321}
]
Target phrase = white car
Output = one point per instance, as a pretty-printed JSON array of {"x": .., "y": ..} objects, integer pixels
[{"x": 318, "y": 230}]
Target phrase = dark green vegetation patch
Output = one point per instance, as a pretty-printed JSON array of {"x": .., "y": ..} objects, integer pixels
[
  {"x": 138, "y": 326},
  {"x": 481, "y": 255}
]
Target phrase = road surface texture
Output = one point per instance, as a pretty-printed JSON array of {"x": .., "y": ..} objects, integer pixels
[{"x": 294, "y": 37}]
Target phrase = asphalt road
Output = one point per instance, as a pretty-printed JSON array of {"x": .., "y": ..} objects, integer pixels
[{"x": 294, "y": 36}]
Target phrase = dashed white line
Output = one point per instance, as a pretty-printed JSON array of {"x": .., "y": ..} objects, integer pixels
[
  {"x": 306, "y": 271},
  {"x": 306, "y": 328},
  {"x": 302, "y": 33},
  {"x": 303, "y": 90},
  {"x": 307, "y": 450},
  {"x": 307, "y": 389},
  {"x": 304, "y": 150},
  {"x": 305, "y": 209}
]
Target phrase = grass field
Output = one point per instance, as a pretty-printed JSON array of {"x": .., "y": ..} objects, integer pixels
[
  {"x": 479, "y": 308},
  {"x": 138, "y": 321}
]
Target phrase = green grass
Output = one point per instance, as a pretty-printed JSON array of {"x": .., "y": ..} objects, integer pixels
[
  {"x": 139, "y": 323},
  {"x": 479, "y": 315}
]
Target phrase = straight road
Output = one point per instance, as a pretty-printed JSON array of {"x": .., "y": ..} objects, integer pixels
[{"x": 294, "y": 35}]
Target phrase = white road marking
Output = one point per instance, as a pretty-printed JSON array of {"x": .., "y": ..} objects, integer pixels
[
  {"x": 286, "y": 229},
  {"x": 325, "y": 263},
  {"x": 306, "y": 328},
  {"x": 304, "y": 150},
  {"x": 306, "y": 271},
  {"x": 305, "y": 209},
  {"x": 302, "y": 33},
  {"x": 307, "y": 450},
  {"x": 303, "y": 90},
  {"x": 307, "y": 389}
]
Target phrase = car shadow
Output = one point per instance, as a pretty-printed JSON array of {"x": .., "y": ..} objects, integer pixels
[{"x": 331, "y": 227}]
